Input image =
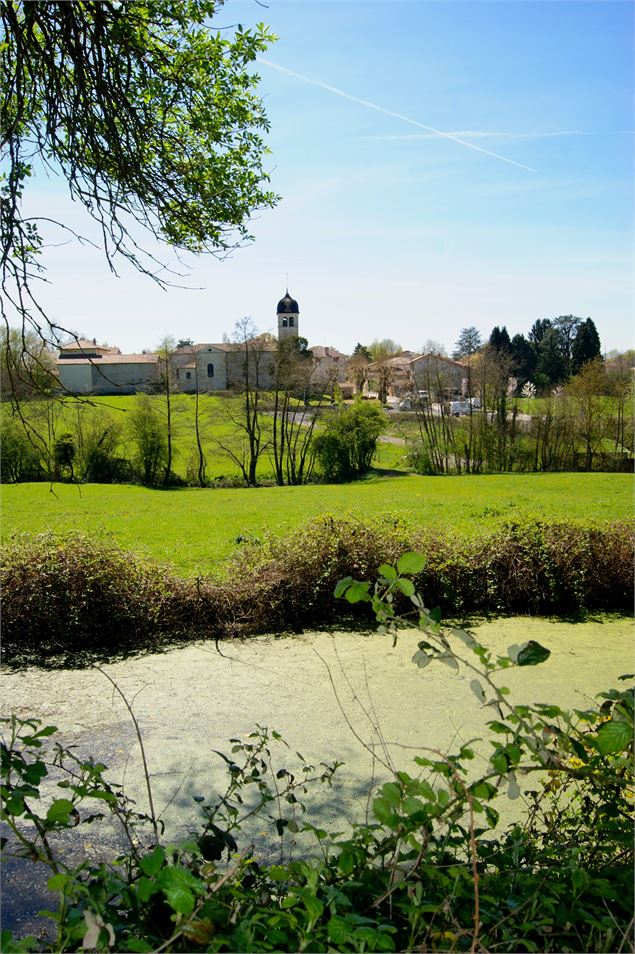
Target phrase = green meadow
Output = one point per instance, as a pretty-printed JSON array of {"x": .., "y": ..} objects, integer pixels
[{"x": 195, "y": 530}]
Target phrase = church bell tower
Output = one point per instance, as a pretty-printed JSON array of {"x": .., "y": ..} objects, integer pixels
[{"x": 288, "y": 317}]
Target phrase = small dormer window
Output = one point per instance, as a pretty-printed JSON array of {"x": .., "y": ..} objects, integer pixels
[{"x": 210, "y": 370}]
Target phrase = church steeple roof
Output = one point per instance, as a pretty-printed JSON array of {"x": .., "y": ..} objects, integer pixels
[{"x": 288, "y": 305}]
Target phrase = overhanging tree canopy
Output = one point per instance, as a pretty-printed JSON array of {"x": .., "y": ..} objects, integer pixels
[{"x": 151, "y": 115}]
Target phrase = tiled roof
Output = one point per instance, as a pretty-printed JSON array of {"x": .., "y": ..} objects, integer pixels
[
  {"x": 438, "y": 357},
  {"x": 83, "y": 344},
  {"x": 112, "y": 359},
  {"x": 320, "y": 351}
]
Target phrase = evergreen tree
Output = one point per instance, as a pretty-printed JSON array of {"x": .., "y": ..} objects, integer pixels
[
  {"x": 586, "y": 345},
  {"x": 499, "y": 339},
  {"x": 523, "y": 359},
  {"x": 362, "y": 350},
  {"x": 537, "y": 332},
  {"x": 468, "y": 342},
  {"x": 551, "y": 362}
]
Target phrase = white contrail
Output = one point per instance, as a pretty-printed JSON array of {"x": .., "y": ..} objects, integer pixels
[{"x": 389, "y": 112}]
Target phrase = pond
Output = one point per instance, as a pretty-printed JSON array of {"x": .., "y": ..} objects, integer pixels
[{"x": 331, "y": 696}]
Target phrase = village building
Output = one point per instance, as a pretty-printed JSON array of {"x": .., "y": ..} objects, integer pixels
[
  {"x": 87, "y": 368},
  {"x": 409, "y": 372},
  {"x": 84, "y": 367}
]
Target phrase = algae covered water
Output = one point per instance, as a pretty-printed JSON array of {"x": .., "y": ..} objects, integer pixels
[
  {"x": 325, "y": 693},
  {"x": 346, "y": 696}
]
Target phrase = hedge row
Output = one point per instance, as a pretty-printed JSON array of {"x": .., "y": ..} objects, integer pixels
[{"x": 82, "y": 594}]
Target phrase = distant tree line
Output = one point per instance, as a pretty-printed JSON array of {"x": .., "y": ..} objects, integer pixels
[{"x": 553, "y": 351}]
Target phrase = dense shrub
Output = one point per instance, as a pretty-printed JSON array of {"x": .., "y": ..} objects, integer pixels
[
  {"x": 347, "y": 442},
  {"x": 527, "y": 567},
  {"x": 81, "y": 593}
]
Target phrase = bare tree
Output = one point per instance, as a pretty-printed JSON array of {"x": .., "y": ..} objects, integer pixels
[
  {"x": 294, "y": 418},
  {"x": 247, "y": 412}
]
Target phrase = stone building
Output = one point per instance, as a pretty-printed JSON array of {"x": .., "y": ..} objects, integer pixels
[
  {"x": 86, "y": 368},
  {"x": 408, "y": 372}
]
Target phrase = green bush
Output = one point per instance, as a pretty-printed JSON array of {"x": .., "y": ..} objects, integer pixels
[
  {"x": 346, "y": 444},
  {"x": 526, "y": 567},
  {"x": 78, "y": 594}
]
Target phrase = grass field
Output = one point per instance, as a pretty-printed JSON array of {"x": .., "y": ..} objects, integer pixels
[{"x": 196, "y": 530}]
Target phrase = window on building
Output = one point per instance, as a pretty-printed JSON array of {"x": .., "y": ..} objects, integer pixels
[
  {"x": 210, "y": 370},
  {"x": 290, "y": 321},
  {"x": 284, "y": 322},
  {"x": 188, "y": 375}
]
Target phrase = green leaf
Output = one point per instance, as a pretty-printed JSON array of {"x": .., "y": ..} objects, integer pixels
[
  {"x": 357, "y": 592},
  {"x": 407, "y": 587},
  {"x": 346, "y": 862},
  {"x": 382, "y": 811},
  {"x": 613, "y": 737},
  {"x": 484, "y": 790},
  {"x": 421, "y": 659},
  {"x": 58, "y": 882},
  {"x": 387, "y": 571},
  {"x": 338, "y": 930},
  {"x": 413, "y": 806},
  {"x": 392, "y": 793},
  {"x": 146, "y": 887},
  {"x": 532, "y": 653},
  {"x": 59, "y": 811},
  {"x": 177, "y": 884},
  {"x": 342, "y": 587},
  {"x": 411, "y": 563},
  {"x": 313, "y": 905},
  {"x": 151, "y": 864}
]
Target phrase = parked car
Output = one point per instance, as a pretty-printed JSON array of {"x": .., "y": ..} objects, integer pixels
[{"x": 460, "y": 407}]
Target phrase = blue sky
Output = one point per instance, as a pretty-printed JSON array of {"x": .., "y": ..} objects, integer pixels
[{"x": 387, "y": 229}]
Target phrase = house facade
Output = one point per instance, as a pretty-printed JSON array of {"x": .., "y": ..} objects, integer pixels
[{"x": 85, "y": 367}]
